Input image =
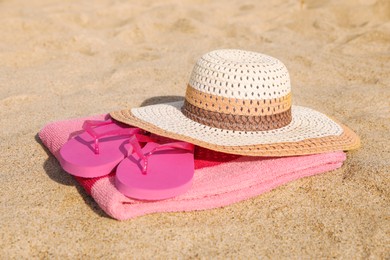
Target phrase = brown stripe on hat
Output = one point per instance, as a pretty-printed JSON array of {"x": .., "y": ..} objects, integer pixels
[{"x": 236, "y": 122}]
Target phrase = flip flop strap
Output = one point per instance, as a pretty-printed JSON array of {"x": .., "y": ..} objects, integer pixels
[
  {"x": 145, "y": 157},
  {"x": 90, "y": 125},
  {"x": 176, "y": 145},
  {"x": 135, "y": 146}
]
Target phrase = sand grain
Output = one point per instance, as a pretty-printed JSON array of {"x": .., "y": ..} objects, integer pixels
[{"x": 65, "y": 59}]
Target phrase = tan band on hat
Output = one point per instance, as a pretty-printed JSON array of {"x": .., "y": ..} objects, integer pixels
[
  {"x": 247, "y": 107},
  {"x": 236, "y": 122}
]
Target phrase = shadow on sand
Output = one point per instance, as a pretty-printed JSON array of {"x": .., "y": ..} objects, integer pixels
[
  {"x": 161, "y": 99},
  {"x": 57, "y": 174}
]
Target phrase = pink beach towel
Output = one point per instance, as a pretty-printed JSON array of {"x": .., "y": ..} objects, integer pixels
[{"x": 219, "y": 180}]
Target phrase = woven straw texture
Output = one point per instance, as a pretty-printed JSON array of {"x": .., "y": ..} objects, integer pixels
[
  {"x": 342, "y": 139},
  {"x": 240, "y": 102},
  {"x": 240, "y": 74}
]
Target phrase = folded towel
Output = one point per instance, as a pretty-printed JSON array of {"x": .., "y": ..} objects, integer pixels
[{"x": 219, "y": 179}]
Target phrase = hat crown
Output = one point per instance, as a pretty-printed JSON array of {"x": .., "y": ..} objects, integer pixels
[
  {"x": 241, "y": 74},
  {"x": 239, "y": 90}
]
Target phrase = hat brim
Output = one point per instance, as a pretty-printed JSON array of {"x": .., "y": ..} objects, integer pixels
[{"x": 309, "y": 132}]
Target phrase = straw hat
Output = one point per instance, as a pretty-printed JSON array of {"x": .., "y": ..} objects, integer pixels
[{"x": 239, "y": 102}]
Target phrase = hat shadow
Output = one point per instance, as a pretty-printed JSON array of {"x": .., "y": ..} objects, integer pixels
[
  {"x": 57, "y": 174},
  {"x": 160, "y": 100}
]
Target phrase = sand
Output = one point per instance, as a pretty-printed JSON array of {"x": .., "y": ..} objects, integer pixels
[{"x": 66, "y": 59}]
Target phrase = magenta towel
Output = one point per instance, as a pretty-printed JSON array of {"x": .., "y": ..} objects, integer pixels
[{"x": 219, "y": 179}]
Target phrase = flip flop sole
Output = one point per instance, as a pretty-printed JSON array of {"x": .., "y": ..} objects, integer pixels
[
  {"x": 170, "y": 173},
  {"x": 77, "y": 156}
]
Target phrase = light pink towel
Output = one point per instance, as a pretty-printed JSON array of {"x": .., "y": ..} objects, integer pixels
[{"x": 219, "y": 180}]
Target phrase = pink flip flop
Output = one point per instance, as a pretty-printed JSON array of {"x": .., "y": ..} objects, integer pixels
[
  {"x": 98, "y": 150},
  {"x": 156, "y": 171}
]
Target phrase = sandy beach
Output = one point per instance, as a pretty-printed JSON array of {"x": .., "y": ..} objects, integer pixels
[{"x": 69, "y": 59}]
